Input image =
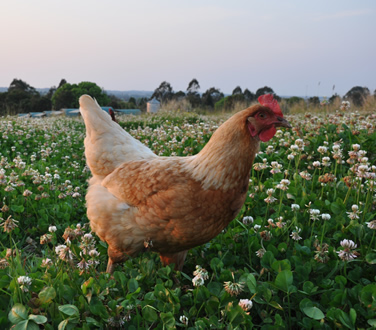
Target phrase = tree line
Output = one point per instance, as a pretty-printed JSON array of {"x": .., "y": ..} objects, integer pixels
[{"x": 23, "y": 98}]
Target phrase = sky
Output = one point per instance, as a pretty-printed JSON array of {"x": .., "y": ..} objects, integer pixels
[{"x": 298, "y": 48}]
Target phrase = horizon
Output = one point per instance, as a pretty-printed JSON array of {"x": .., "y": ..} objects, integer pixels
[
  {"x": 295, "y": 48},
  {"x": 109, "y": 91}
]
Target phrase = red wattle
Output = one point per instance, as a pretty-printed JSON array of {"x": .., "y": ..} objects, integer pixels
[{"x": 267, "y": 134}]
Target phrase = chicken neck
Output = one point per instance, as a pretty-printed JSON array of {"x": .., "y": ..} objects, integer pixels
[{"x": 226, "y": 160}]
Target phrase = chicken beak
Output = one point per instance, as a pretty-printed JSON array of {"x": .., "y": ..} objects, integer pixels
[{"x": 282, "y": 122}]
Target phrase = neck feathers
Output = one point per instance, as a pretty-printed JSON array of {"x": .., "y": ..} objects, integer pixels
[{"x": 225, "y": 162}]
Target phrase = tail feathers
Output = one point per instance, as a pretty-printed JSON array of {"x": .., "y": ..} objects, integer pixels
[{"x": 107, "y": 145}]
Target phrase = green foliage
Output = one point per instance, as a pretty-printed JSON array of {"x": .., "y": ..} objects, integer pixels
[
  {"x": 264, "y": 90},
  {"x": 211, "y": 96},
  {"x": 23, "y": 98},
  {"x": 22, "y": 320},
  {"x": 293, "y": 280},
  {"x": 67, "y": 95},
  {"x": 163, "y": 92},
  {"x": 357, "y": 95}
]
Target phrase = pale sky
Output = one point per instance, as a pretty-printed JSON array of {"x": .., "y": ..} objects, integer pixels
[{"x": 296, "y": 47}]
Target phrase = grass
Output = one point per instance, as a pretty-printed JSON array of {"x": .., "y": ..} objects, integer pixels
[{"x": 301, "y": 252}]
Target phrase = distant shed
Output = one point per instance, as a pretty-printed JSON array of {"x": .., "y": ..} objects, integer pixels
[
  {"x": 153, "y": 106},
  {"x": 37, "y": 114},
  {"x": 135, "y": 112},
  {"x": 51, "y": 113},
  {"x": 71, "y": 112},
  {"x": 32, "y": 115}
]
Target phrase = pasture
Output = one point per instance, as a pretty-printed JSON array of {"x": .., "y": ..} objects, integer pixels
[{"x": 301, "y": 253}]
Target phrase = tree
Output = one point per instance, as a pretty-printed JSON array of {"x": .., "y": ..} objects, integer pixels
[
  {"x": 193, "y": 95},
  {"x": 67, "y": 95},
  {"x": 249, "y": 96},
  {"x": 193, "y": 86},
  {"x": 20, "y": 85},
  {"x": 21, "y": 97},
  {"x": 294, "y": 100},
  {"x": 237, "y": 91},
  {"x": 334, "y": 98},
  {"x": 62, "y": 82},
  {"x": 357, "y": 95},
  {"x": 264, "y": 90},
  {"x": 178, "y": 95},
  {"x": 164, "y": 92},
  {"x": 314, "y": 101},
  {"x": 211, "y": 96},
  {"x": 115, "y": 102}
]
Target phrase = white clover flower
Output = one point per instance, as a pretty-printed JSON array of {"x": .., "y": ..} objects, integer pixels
[
  {"x": 325, "y": 216},
  {"x": 336, "y": 147},
  {"x": 305, "y": 175},
  {"x": 46, "y": 263},
  {"x": 355, "y": 212},
  {"x": 326, "y": 161},
  {"x": 314, "y": 214},
  {"x": 233, "y": 288},
  {"x": 345, "y": 105},
  {"x": 322, "y": 150},
  {"x": 290, "y": 157},
  {"x": 270, "y": 191},
  {"x": 260, "y": 253},
  {"x": 356, "y": 147},
  {"x": 76, "y": 194},
  {"x": 295, "y": 207},
  {"x": 270, "y": 198},
  {"x": 88, "y": 237},
  {"x": 245, "y": 304},
  {"x": 247, "y": 220},
  {"x": 295, "y": 234},
  {"x": 52, "y": 229},
  {"x": 346, "y": 254},
  {"x": 276, "y": 168},
  {"x": 201, "y": 272},
  {"x": 64, "y": 252},
  {"x": 198, "y": 280},
  {"x": 294, "y": 147},
  {"x": 283, "y": 185},
  {"x": 316, "y": 163},
  {"x": 371, "y": 224},
  {"x": 24, "y": 282},
  {"x": 27, "y": 193},
  {"x": 300, "y": 144},
  {"x": 93, "y": 253},
  {"x": 183, "y": 319},
  {"x": 256, "y": 227},
  {"x": 83, "y": 265}
]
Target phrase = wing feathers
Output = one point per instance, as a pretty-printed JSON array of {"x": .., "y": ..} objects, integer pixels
[{"x": 107, "y": 145}]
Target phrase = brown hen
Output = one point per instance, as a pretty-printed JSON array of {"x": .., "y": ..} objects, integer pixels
[{"x": 170, "y": 204}]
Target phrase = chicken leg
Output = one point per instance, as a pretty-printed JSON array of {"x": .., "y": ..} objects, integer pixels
[{"x": 174, "y": 258}]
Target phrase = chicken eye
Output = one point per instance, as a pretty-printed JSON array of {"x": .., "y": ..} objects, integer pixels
[{"x": 263, "y": 115}]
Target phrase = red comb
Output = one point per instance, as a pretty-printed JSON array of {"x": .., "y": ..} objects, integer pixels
[{"x": 267, "y": 100}]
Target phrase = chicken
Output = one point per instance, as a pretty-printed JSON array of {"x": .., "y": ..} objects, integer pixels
[
  {"x": 112, "y": 114},
  {"x": 169, "y": 204}
]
